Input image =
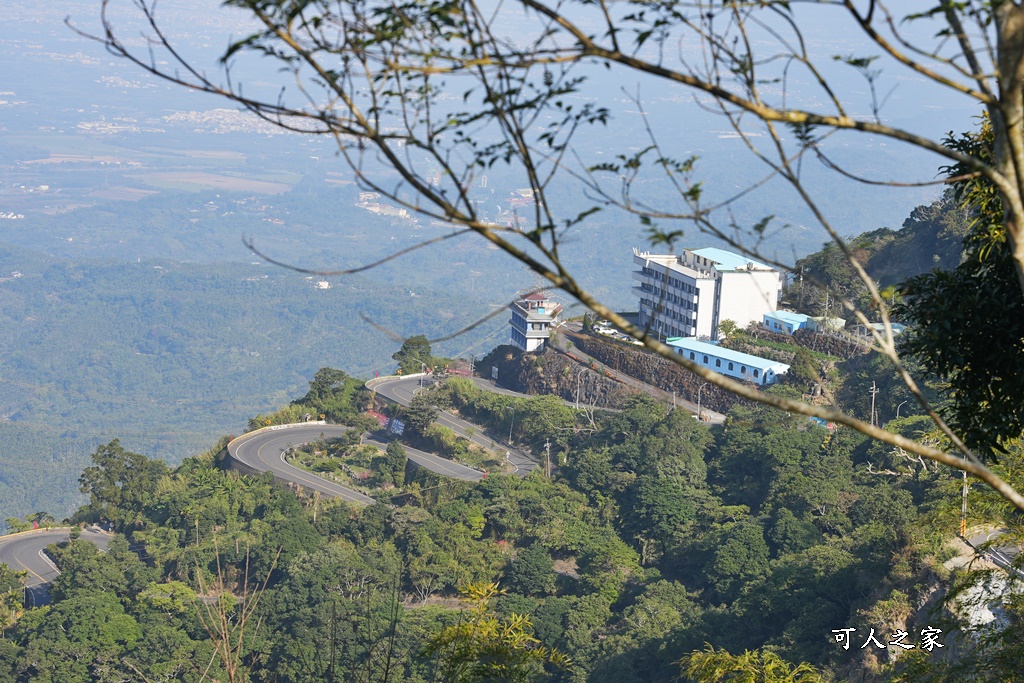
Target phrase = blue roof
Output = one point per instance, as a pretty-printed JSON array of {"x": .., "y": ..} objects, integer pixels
[
  {"x": 789, "y": 317},
  {"x": 691, "y": 344},
  {"x": 727, "y": 260}
]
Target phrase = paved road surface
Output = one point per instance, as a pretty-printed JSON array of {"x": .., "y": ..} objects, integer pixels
[
  {"x": 24, "y": 552},
  {"x": 402, "y": 389},
  {"x": 434, "y": 463},
  {"x": 263, "y": 450},
  {"x": 1004, "y": 556}
]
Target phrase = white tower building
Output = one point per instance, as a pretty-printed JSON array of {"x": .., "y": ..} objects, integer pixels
[{"x": 532, "y": 319}]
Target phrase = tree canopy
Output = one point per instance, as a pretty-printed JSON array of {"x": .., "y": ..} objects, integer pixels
[{"x": 472, "y": 88}]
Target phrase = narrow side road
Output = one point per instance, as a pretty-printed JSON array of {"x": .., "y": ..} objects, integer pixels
[
  {"x": 1003, "y": 556},
  {"x": 402, "y": 389},
  {"x": 26, "y": 552}
]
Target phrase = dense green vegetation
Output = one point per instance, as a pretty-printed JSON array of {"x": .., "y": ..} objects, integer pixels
[
  {"x": 168, "y": 356},
  {"x": 932, "y": 237},
  {"x": 654, "y": 536}
]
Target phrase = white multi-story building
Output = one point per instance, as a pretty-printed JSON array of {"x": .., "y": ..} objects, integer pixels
[
  {"x": 532, "y": 318},
  {"x": 689, "y": 294}
]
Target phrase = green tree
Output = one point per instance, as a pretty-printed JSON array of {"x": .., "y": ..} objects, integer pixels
[
  {"x": 42, "y": 518},
  {"x": 485, "y": 647},
  {"x": 420, "y": 413},
  {"x": 12, "y": 592},
  {"x": 325, "y": 383},
  {"x": 967, "y": 324},
  {"x": 172, "y": 597},
  {"x": 78, "y": 640},
  {"x": 394, "y": 463},
  {"x": 119, "y": 484},
  {"x": 414, "y": 351},
  {"x": 531, "y": 572},
  {"x": 656, "y": 512},
  {"x": 331, "y": 393},
  {"x": 84, "y": 569},
  {"x": 740, "y": 556},
  {"x": 16, "y": 525}
]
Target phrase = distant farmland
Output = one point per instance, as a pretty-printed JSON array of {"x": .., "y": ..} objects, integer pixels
[{"x": 198, "y": 180}]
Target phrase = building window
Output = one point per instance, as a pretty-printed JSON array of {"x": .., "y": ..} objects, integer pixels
[
  {"x": 757, "y": 373},
  {"x": 705, "y": 360},
  {"x": 730, "y": 366},
  {"x": 743, "y": 369},
  {"x": 692, "y": 356},
  {"x": 718, "y": 362}
]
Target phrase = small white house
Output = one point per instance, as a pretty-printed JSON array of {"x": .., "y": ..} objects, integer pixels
[{"x": 742, "y": 366}]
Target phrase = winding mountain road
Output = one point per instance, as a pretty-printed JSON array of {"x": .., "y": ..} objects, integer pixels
[
  {"x": 25, "y": 552},
  {"x": 264, "y": 449},
  {"x": 402, "y": 389}
]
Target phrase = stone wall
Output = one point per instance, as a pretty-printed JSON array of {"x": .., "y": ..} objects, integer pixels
[
  {"x": 552, "y": 373},
  {"x": 658, "y": 372}
]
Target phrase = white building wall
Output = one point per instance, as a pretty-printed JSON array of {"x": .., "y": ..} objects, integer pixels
[
  {"x": 531, "y": 329},
  {"x": 706, "y": 321},
  {"x": 752, "y": 369},
  {"x": 747, "y": 296},
  {"x": 689, "y": 295},
  {"x": 674, "y": 300}
]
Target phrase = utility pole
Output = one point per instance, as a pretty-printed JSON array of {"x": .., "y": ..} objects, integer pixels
[
  {"x": 873, "y": 392},
  {"x": 547, "y": 458},
  {"x": 579, "y": 376}
]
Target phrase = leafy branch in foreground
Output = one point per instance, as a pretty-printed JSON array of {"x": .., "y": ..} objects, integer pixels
[
  {"x": 485, "y": 647},
  {"x": 436, "y": 93}
]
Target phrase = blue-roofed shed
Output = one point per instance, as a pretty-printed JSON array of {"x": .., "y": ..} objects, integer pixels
[
  {"x": 735, "y": 364},
  {"x": 785, "y": 322}
]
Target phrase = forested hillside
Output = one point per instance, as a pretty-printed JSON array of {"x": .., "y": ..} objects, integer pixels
[
  {"x": 931, "y": 238},
  {"x": 655, "y": 536}
]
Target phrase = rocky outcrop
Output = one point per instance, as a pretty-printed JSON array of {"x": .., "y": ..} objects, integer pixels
[
  {"x": 657, "y": 371},
  {"x": 551, "y": 372}
]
